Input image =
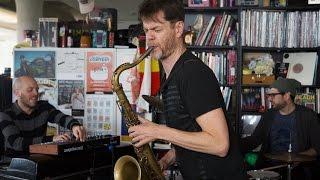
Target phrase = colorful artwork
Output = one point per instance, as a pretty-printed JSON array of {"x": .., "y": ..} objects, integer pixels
[
  {"x": 38, "y": 64},
  {"x": 100, "y": 114},
  {"x": 99, "y": 71}
]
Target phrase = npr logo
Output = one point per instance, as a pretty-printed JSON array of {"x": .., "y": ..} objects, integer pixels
[{"x": 48, "y": 30}]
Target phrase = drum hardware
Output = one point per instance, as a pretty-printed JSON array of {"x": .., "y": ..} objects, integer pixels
[
  {"x": 289, "y": 158},
  {"x": 274, "y": 167},
  {"x": 264, "y": 175}
]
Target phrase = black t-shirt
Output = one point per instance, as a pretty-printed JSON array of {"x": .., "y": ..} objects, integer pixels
[{"x": 190, "y": 91}]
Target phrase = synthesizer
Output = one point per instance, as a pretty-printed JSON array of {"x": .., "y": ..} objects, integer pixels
[{"x": 65, "y": 147}]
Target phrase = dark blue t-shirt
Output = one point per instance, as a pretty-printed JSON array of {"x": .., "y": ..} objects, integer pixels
[{"x": 283, "y": 133}]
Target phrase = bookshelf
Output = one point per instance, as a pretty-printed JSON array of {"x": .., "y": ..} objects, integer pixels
[
  {"x": 241, "y": 47},
  {"x": 233, "y": 12}
]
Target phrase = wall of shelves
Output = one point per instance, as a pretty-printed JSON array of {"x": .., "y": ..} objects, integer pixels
[{"x": 236, "y": 112}]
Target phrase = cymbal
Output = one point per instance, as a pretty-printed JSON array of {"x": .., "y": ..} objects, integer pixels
[{"x": 289, "y": 157}]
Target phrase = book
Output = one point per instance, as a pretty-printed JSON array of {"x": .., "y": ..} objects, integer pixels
[
  {"x": 306, "y": 99},
  {"x": 232, "y": 64},
  {"x": 205, "y": 35}
]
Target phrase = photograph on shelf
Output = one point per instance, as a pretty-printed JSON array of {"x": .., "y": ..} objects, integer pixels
[
  {"x": 38, "y": 64},
  {"x": 100, "y": 66},
  {"x": 71, "y": 94},
  {"x": 70, "y": 64}
]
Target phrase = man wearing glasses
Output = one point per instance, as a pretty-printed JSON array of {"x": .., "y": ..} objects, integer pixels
[{"x": 286, "y": 127}]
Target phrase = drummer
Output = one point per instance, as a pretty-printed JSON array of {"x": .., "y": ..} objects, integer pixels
[{"x": 286, "y": 127}]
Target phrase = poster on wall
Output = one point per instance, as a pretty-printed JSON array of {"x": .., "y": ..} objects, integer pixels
[
  {"x": 100, "y": 114},
  {"x": 70, "y": 64},
  {"x": 48, "y": 90},
  {"x": 99, "y": 71},
  {"x": 71, "y": 94},
  {"x": 38, "y": 64}
]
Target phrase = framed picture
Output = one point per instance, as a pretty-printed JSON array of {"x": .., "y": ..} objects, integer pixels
[{"x": 198, "y": 3}]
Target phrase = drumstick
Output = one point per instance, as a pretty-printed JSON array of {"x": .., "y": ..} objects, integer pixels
[{"x": 274, "y": 167}]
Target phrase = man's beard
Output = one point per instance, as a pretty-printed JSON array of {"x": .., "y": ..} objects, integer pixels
[
  {"x": 165, "y": 52},
  {"x": 279, "y": 106},
  {"x": 28, "y": 103}
]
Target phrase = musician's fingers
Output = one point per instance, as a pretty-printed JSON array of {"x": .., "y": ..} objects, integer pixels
[
  {"x": 81, "y": 135},
  {"x": 76, "y": 134},
  {"x": 84, "y": 134},
  {"x": 64, "y": 137},
  {"x": 142, "y": 120},
  {"x": 67, "y": 136}
]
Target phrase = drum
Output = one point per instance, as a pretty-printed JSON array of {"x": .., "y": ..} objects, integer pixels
[{"x": 263, "y": 175}]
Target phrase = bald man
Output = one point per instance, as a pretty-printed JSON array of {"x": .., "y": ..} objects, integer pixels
[{"x": 25, "y": 123}]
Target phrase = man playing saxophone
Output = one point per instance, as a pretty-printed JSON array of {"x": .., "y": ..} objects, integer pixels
[{"x": 205, "y": 145}]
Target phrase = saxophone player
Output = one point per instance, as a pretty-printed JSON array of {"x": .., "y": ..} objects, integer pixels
[{"x": 204, "y": 144}]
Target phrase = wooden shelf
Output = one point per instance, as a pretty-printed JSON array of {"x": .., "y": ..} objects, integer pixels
[
  {"x": 264, "y": 85},
  {"x": 211, "y": 9},
  {"x": 284, "y": 49},
  {"x": 289, "y": 8},
  {"x": 211, "y": 48}
]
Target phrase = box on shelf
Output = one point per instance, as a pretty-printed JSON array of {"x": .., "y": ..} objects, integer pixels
[{"x": 257, "y": 79}]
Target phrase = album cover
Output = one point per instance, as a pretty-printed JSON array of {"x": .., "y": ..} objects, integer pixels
[
  {"x": 306, "y": 99},
  {"x": 281, "y": 70},
  {"x": 301, "y": 66},
  {"x": 249, "y": 124}
]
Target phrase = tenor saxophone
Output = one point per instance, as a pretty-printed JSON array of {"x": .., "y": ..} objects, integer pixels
[{"x": 150, "y": 168}]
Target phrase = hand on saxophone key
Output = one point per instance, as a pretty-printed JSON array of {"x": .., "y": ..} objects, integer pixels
[{"x": 143, "y": 133}]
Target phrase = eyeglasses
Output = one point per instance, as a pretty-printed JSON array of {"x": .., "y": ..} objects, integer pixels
[{"x": 272, "y": 95}]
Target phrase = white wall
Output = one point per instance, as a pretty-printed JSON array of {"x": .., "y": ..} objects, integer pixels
[{"x": 8, "y": 39}]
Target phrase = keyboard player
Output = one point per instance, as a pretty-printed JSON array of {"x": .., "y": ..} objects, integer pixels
[{"x": 25, "y": 123}]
